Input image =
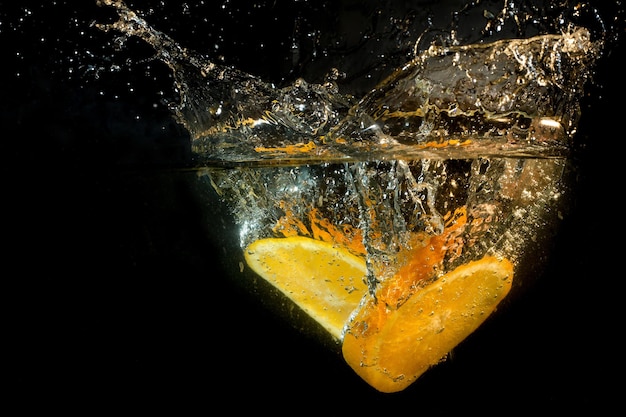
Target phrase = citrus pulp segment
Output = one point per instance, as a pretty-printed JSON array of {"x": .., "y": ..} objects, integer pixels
[
  {"x": 390, "y": 348},
  {"x": 324, "y": 280}
]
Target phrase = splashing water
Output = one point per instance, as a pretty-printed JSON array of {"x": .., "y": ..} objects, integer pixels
[
  {"x": 469, "y": 142},
  {"x": 450, "y": 107},
  {"x": 511, "y": 98}
]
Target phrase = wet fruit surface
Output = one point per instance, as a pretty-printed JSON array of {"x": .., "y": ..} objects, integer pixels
[{"x": 390, "y": 347}]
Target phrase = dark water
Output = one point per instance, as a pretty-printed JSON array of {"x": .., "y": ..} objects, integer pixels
[{"x": 115, "y": 292}]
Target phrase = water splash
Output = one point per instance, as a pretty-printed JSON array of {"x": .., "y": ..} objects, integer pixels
[
  {"x": 463, "y": 145},
  {"x": 444, "y": 132},
  {"x": 511, "y": 97}
]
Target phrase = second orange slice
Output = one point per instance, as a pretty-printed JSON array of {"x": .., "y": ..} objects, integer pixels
[{"x": 391, "y": 347}]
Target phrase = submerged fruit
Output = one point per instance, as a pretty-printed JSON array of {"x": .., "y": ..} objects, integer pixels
[
  {"x": 409, "y": 322},
  {"x": 391, "y": 346},
  {"x": 324, "y": 280}
]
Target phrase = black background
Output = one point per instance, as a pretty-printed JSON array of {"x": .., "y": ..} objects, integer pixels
[{"x": 114, "y": 292}]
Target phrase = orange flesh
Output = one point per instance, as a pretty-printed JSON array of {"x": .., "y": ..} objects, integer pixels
[
  {"x": 325, "y": 281},
  {"x": 391, "y": 348},
  {"x": 413, "y": 319}
]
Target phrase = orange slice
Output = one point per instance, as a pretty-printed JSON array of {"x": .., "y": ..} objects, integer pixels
[
  {"x": 324, "y": 280},
  {"x": 391, "y": 346}
]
